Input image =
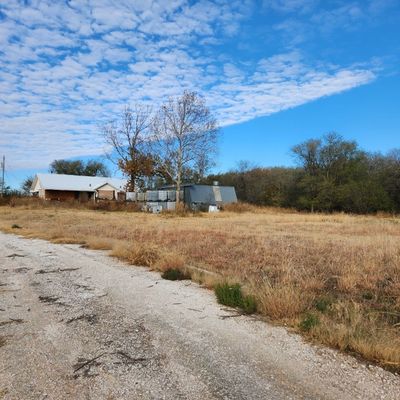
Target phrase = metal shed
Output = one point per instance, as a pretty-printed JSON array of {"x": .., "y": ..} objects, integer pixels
[
  {"x": 209, "y": 195},
  {"x": 202, "y": 196}
]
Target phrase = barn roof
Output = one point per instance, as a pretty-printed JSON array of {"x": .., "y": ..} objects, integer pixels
[
  {"x": 76, "y": 182},
  {"x": 210, "y": 194}
]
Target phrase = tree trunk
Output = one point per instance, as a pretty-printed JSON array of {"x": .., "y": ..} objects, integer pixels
[
  {"x": 131, "y": 184},
  {"x": 179, "y": 176},
  {"x": 178, "y": 189}
]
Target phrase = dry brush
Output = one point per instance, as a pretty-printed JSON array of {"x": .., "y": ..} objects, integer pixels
[{"x": 335, "y": 278}]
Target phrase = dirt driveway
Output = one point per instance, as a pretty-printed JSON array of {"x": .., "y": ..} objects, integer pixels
[{"x": 77, "y": 324}]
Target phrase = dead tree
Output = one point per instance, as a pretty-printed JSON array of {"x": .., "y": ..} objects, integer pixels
[
  {"x": 184, "y": 137},
  {"x": 128, "y": 140}
]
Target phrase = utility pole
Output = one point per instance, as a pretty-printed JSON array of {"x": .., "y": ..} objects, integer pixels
[{"x": 3, "y": 166}]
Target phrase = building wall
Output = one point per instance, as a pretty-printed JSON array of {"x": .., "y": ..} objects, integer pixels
[
  {"x": 37, "y": 187},
  {"x": 84, "y": 196},
  {"x": 106, "y": 186},
  {"x": 106, "y": 194},
  {"x": 65, "y": 195},
  {"x": 61, "y": 195},
  {"x": 121, "y": 196}
]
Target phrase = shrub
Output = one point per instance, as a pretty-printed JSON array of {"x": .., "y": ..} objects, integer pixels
[
  {"x": 249, "y": 305},
  {"x": 367, "y": 296},
  {"x": 15, "y": 226},
  {"x": 232, "y": 296},
  {"x": 170, "y": 260},
  {"x": 173, "y": 274},
  {"x": 137, "y": 254},
  {"x": 229, "y": 295},
  {"x": 309, "y": 321},
  {"x": 322, "y": 304}
]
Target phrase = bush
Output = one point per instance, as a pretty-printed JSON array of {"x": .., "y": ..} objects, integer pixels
[
  {"x": 15, "y": 226},
  {"x": 309, "y": 321},
  {"x": 322, "y": 304},
  {"x": 228, "y": 295},
  {"x": 232, "y": 296},
  {"x": 174, "y": 274},
  {"x": 249, "y": 305}
]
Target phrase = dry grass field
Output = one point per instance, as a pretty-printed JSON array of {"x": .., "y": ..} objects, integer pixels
[{"x": 335, "y": 278}]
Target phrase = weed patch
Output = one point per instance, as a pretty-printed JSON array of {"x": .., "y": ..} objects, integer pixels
[
  {"x": 249, "y": 304},
  {"x": 322, "y": 304},
  {"x": 170, "y": 260},
  {"x": 174, "y": 274},
  {"x": 140, "y": 254},
  {"x": 232, "y": 296},
  {"x": 309, "y": 322}
]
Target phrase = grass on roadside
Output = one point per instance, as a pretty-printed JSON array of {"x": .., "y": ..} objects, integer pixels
[
  {"x": 333, "y": 278},
  {"x": 232, "y": 296}
]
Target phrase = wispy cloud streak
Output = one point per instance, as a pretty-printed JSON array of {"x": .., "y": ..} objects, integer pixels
[{"x": 66, "y": 67}]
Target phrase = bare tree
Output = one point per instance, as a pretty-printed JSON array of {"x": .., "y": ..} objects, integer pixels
[
  {"x": 184, "y": 137},
  {"x": 128, "y": 139}
]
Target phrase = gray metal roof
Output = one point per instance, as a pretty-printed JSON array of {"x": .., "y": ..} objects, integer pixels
[
  {"x": 207, "y": 194},
  {"x": 76, "y": 182}
]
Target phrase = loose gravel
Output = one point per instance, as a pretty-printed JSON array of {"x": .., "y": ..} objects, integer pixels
[{"x": 77, "y": 324}]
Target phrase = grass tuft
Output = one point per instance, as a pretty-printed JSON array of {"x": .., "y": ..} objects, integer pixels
[
  {"x": 137, "y": 254},
  {"x": 249, "y": 305},
  {"x": 232, "y": 296},
  {"x": 229, "y": 295},
  {"x": 309, "y": 322},
  {"x": 173, "y": 274},
  {"x": 322, "y": 304}
]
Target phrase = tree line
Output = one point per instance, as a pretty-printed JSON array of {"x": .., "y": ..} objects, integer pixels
[
  {"x": 332, "y": 174},
  {"x": 177, "y": 143}
]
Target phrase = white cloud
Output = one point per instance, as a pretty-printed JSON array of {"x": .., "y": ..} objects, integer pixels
[{"x": 65, "y": 68}]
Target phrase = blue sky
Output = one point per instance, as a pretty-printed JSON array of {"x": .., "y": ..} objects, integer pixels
[{"x": 274, "y": 72}]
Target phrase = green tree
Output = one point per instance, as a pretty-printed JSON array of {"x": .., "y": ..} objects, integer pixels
[
  {"x": 330, "y": 165},
  {"x": 79, "y": 167},
  {"x": 26, "y": 185}
]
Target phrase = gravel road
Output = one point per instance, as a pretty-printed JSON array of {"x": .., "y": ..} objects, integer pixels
[{"x": 77, "y": 324}]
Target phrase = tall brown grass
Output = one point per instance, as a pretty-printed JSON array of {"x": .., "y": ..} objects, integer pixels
[{"x": 342, "y": 270}]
